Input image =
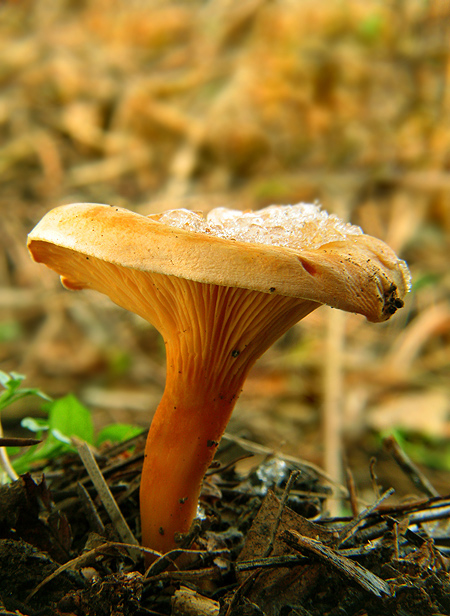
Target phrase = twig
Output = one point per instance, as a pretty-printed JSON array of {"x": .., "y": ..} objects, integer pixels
[
  {"x": 211, "y": 573},
  {"x": 91, "y": 512},
  {"x": 351, "y": 490},
  {"x": 408, "y": 467},
  {"x": 373, "y": 477},
  {"x": 159, "y": 566},
  {"x": 332, "y": 401},
  {"x": 219, "y": 468},
  {"x": 350, "y": 528},
  {"x": 368, "y": 580},
  {"x": 163, "y": 561},
  {"x": 18, "y": 442},
  {"x": 240, "y": 590},
  {"x": 430, "y": 514},
  {"x": 107, "y": 498},
  {"x": 283, "y": 560},
  {"x": 87, "y": 557},
  {"x": 396, "y": 538},
  {"x": 293, "y": 476},
  {"x": 414, "y": 518}
]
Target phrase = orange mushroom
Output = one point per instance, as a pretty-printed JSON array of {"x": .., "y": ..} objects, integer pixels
[{"x": 220, "y": 290}]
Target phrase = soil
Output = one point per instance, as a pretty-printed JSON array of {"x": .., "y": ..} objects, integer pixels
[{"x": 263, "y": 545}]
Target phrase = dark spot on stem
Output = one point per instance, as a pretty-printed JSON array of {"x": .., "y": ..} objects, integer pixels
[
  {"x": 161, "y": 530},
  {"x": 210, "y": 443},
  {"x": 183, "y": 500},
  {"x": 272, "y": 290},
  {"x": 235, "y": 353}
]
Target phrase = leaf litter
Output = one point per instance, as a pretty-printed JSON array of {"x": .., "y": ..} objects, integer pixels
[{"x": 263, "y": 544}]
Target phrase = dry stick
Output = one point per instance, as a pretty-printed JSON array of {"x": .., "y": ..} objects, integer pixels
[
  {"x": 265, "y": 562},
  {"x": 332, "y": 403},
  {"x": 240, "y": 590},
  {"x": 408, "y": 467},
  {"x": 169, "y": 559},
  {"x": 408, "y": 515},
  {"x": 368, "y": 580},
  {"x": 219, "y": 468},
  {"x": 107, "y": 498},
  {"x": 350, "y": 528},
  {"x": 396, "y": 547},
  {"x": 429, "y": 514},
  {"x": 333, "y": 382},
  {"x": 18, "y": 442},
  {"x": 292, "y": 477},
  {"x": 91, "y": 512},
  {"x": 373, "y": 477},
  {"x": 351, "y": 490},
  {"x": 84, "y": 559},
  {"x": 187, "y": 575},
  {"x": 163, "y": 561}
]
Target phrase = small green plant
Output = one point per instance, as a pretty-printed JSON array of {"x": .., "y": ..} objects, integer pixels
[
  {"x": 13, "y": 391},
  {"x": 11, "y": 383},
  {"x": 66, "y": 418}
]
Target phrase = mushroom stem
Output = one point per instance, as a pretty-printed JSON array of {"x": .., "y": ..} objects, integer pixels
[
  {"x": 208, "y": 359},
  {"x": 183, "y": 438}
]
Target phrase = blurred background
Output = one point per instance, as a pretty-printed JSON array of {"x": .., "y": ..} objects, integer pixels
[{"x": 156, "y": 104}]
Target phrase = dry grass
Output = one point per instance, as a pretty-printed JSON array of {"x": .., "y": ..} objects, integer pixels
[{"x": 154, "y": 103}]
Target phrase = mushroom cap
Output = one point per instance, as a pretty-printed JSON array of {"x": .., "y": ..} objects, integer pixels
[{"x": 344, "y": 268}]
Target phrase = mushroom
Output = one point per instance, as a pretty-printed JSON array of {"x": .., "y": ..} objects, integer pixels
[{"x": 220, "y": 290}]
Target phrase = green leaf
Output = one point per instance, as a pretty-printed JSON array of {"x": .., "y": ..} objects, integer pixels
[
  {"x": 5, "y": 378},
  {"x": 62, "y": 438},
  {"x": 13, "y": 392},
  {"x": 34, "y": 424},
  {"x": 116, "y": 433},
  {"x": 68, "y": 417}
]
